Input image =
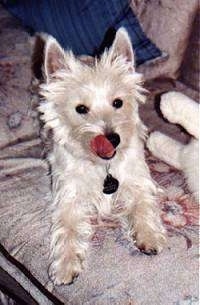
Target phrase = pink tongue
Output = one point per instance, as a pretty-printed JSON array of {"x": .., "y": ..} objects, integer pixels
[{"x": 101, "y": 146}]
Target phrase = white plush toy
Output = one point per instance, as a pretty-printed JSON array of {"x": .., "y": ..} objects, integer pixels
[{"x": 179, "y": 109}]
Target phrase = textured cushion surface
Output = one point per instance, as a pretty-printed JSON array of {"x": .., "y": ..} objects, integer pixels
[{"x": 169, "y": 24}]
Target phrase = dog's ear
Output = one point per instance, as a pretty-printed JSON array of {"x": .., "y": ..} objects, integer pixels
[
  {"x": 54, "y": 57},
  {"x": 122, "y": 46}
]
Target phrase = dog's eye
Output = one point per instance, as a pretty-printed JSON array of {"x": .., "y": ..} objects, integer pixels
[
  {"x": 117, "y": 103},
  {"x": 82, "y": 109}
]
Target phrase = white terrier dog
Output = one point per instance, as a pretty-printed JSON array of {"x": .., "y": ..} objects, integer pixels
[{"x": 98, "y": 164}]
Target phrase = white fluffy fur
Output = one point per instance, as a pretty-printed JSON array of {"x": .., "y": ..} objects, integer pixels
[
  {"x": 78, "y": 174},
  {"x": 179, "y": 109}
]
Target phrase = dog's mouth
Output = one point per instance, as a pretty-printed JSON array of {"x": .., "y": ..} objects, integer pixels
[
  {"x": 106, "y": 157},
  {"x": 104, "y": 146}
]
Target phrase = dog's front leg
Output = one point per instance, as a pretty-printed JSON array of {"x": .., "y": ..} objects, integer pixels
[
  {"x": 71, "y": 230},
  {"x": 144, "y": 220}
]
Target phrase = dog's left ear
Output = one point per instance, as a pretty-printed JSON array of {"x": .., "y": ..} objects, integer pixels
[{"x": 122, "y": 46}]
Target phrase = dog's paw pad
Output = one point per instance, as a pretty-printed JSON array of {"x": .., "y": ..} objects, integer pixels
[
  {"x": 74, "y": 278},
  {"x": 151, "y": 243},
  {"x": 67, "y": 279},
  {"x": 148, "y": 251}
]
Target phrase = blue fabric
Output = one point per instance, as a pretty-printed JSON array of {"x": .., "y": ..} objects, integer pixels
[{"x": 80, "y": 25}]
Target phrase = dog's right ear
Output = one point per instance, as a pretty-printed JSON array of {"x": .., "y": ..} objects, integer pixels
[
  {"x": 54, "y": 58},
  {"x": 122, "y": 46}
]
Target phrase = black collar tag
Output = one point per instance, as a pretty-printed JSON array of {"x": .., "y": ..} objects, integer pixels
[{"x": 110, "y": 184}]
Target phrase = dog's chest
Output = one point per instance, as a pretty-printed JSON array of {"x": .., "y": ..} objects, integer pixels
[
  {"x": 97, "y": 184},
  {"x": 108, "y": 177}
]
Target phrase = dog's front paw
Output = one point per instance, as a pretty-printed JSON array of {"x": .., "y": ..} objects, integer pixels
[
  {"x": 65, "y": 272},
  {"x": 150, "y": 242}
]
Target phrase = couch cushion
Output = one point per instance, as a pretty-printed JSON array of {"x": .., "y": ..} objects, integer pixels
[
  {"x": 190, "y": 69},
  {"x": 19, "y": 127},
  {"x": 116, "y": 272},
  {"x": 169, "y": 24}
]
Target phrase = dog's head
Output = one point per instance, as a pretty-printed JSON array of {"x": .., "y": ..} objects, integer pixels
[{"x": 92, "y": 104}]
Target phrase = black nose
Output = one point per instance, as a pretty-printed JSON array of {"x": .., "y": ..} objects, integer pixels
[{"x": 114, "y": 138}]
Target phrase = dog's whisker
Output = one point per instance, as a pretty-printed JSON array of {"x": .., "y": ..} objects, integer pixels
[
  {"x": 122, "y": 123},
  {"x": 88, "y": 128}
]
